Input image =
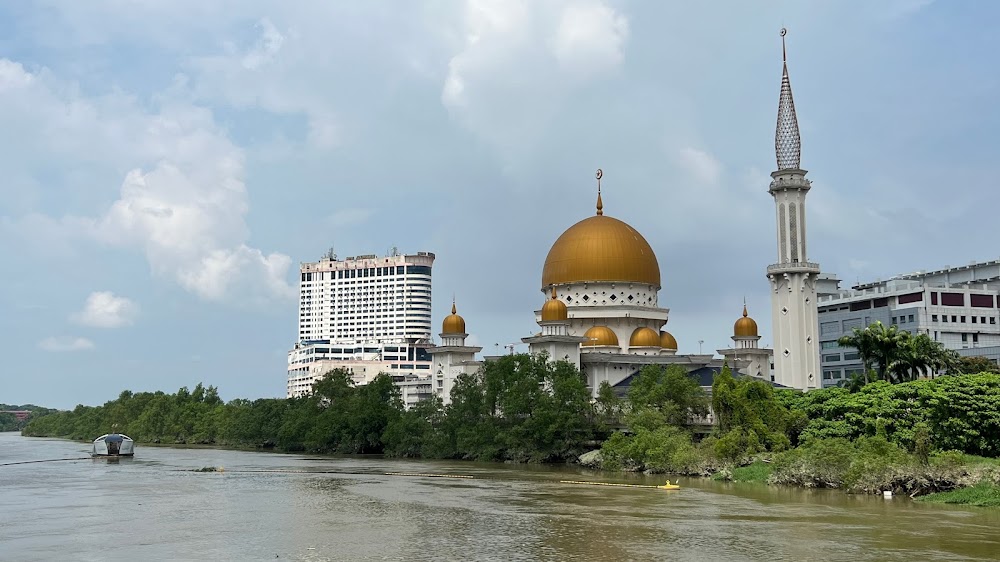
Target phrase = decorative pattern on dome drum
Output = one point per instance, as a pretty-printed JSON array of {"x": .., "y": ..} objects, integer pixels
[
  {"x": 601, "y": 248},
  {"x": 787, "y": 144}
]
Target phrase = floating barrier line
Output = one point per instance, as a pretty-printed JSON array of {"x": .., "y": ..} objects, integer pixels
[
  {"x": 46, "y": 460},
  {"x": 667, "y": 487},
  {"x": 428, "y": 475},
  {"x": 291, "y": 471}
]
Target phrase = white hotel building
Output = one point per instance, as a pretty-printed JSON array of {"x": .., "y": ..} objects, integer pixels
[{"x": 365, "y": 314}]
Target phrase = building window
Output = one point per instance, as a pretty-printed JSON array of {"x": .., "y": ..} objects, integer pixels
[
  {"x": 910, "y": 318},
  {"x": 954, "y": 318},
  {"x": 934, "y": 318},
  {"x": 965, "y": 337},
  {"x": 829, "y": 345},
  {"x": 963, "y": 320},
  {"x": 833, "y": 357},
  {"x": 975, "y": 338}
]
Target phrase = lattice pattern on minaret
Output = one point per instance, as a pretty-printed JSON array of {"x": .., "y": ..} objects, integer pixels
[{"x": 787, "y": 144}]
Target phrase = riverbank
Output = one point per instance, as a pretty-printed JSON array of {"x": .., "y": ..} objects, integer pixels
[
  {"x": 980, "y": 495},
  {"x": 866, "y": 466}
]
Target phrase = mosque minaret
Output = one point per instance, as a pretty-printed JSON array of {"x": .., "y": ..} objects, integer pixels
[{"x": 793, "y": 278}]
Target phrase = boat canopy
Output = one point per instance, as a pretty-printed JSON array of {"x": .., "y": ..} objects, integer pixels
[{"x": 111, "y": 444}]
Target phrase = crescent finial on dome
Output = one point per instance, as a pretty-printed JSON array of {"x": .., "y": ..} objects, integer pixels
[{"x": 600, "y": 204}]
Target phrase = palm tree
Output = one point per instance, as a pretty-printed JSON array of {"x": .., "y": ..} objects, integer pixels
[
  {"x": 918, "y": 355},
  {"x": 876, "y": 344}
]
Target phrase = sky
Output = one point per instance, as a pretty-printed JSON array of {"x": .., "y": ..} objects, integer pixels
[{"x": 165, "y": 166}]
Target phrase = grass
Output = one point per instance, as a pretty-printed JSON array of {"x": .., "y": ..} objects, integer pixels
[
  {"x": 982, "y": 495},
  {"x": 756, "y": 472}
]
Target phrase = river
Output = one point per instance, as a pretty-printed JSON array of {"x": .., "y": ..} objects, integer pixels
[{"x": 267, "y": 506}]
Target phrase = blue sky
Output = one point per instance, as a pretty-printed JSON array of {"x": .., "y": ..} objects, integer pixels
[{"x": 166, "y": 165}]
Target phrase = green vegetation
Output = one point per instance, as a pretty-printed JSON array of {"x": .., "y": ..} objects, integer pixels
[
  {"x": 657, "y": 415},
  {"x": 9, "y": 422},
  {"x": 974, "y": 365},
  {"x": 758, "y": 472},
  {"x": 897, "y": 355},
  {"x": 917, "y": 437},
  {"x": 983, "y": 494},
  {"x": 519, "y": 408}
]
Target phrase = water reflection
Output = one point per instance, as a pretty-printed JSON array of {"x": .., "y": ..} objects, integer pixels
[{"x": 509, "y": 512}]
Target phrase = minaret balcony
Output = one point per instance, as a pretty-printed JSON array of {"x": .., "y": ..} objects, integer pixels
[{"x": 792, "y": 267}]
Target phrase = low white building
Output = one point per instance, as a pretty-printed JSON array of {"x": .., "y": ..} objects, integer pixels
[
  {"x": 310, "y": 361},
  {"x": 452, "y": 358}
]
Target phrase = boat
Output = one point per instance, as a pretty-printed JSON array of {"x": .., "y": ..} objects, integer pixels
[
  {"x": 113, "y": 445},
  {"x": 669, "y": 486}
]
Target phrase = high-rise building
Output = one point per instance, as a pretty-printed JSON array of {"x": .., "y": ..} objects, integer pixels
[
  {"x": 366, "y": 299},
  {"x": 956, "y": 306},
  {"x": 364, "y": 314},
  {"x": 794, "y": 277}
]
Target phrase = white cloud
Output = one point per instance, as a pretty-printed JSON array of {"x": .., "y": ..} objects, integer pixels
[
  {"x": 267, "y": 46},
  {"x": 184, "y": 202},
  {"x": 269, "y": 75},
  {"x": 349, "y": 217},
  {"x": 520, "y": 60},
  {"x": 62, "y": 344},
  {"x": 700, "y": 165},
  {"x": 105, "y": 310},
  {"x": 590, "y": 37}
]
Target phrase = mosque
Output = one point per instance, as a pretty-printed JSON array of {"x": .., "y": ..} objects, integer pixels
[
  {"x": 602, "y": 310},
  {"x": 602, "y": 313}
]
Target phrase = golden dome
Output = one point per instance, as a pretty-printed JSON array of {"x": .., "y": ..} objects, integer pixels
[
  {"x": 554, "y": 309},
  {"x": 667, "y": 341},
  {"x": 601, "y": 248},
  {"x": 600, "y": 335},
  {"x": 644, "y": 337},
  {"x": 453, "y": 323},
  {"x": 745, "y": 327}
]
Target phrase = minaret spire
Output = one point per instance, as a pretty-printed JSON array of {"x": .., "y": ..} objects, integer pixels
[
  {"x": 600, "y": 204},
  {"x": 787, "y": 144}
]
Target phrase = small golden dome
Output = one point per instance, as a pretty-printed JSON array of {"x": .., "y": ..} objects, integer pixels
[
  {"x": 745, "y": 327},
  {"x": 554, "y": 309},
  {"x": 601, "y": 248},
  {"x": 453, "y": 323},
  {"x": 667, "y": 341},
  {"x": 600, "y": 335},
  {"x": 644, "y": 337}
]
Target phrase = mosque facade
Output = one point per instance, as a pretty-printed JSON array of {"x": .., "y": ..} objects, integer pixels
[{"x": 603, "y": 313}]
